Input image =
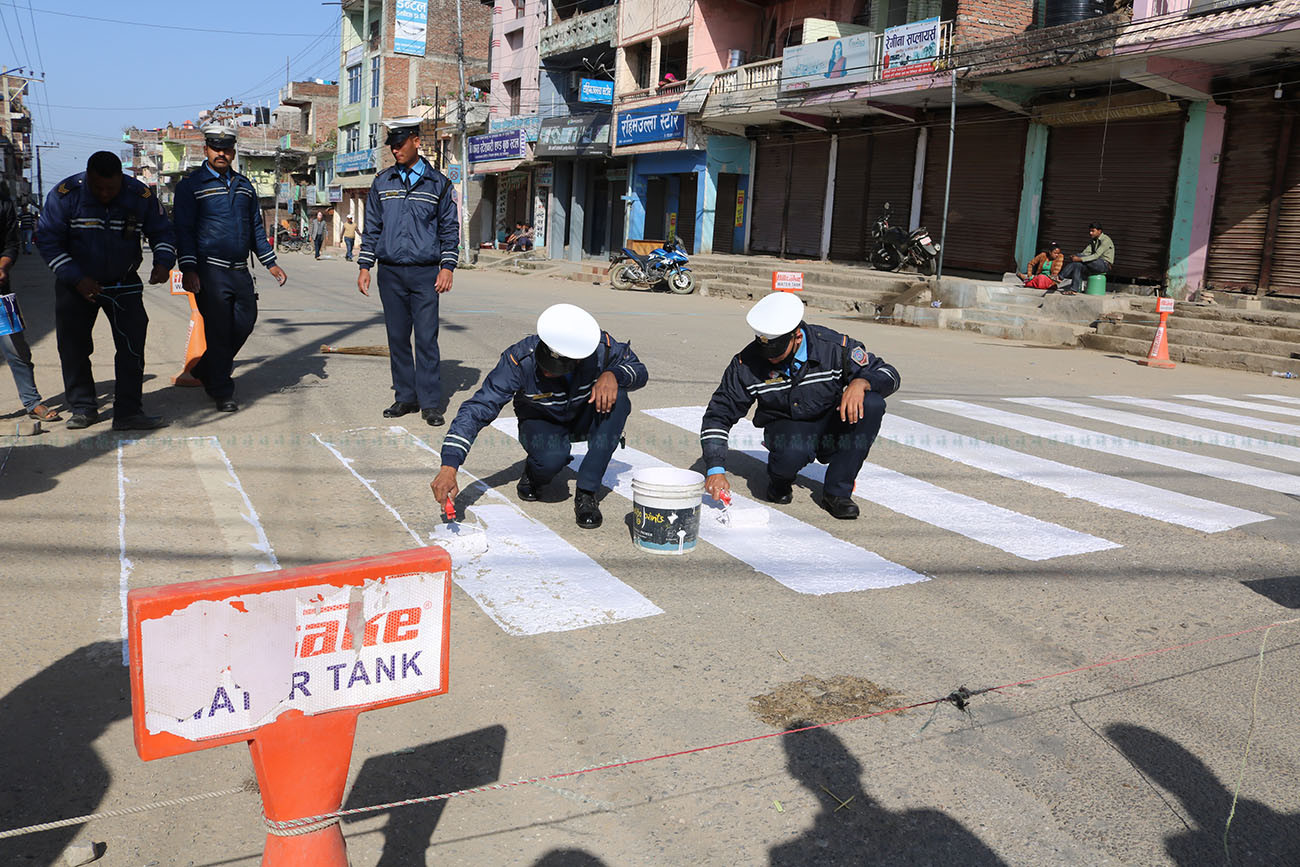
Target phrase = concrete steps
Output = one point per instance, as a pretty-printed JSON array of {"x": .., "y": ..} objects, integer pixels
[{"x": 1192, "y": 354}]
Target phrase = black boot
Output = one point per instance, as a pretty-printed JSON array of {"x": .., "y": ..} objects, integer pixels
[
  {"x": 779, "y": 491},
  {"x": 527, "y": 488},
  {"x": 840, "y": 507},
  {"x": 586, "y": 510}
]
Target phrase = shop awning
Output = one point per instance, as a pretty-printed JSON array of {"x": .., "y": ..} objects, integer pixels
[{"x": 495, "y": 167}]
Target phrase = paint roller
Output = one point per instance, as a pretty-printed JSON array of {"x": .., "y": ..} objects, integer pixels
[
  {"x": 461, "y": 541},
  {"x": 742, "y": 516},
  {"x": 354, "y": 350}
]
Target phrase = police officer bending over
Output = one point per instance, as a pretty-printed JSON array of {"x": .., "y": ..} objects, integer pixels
[
  {"x": 569, "y": 383},
  {"x": 218, "y": 220},
  {"x": 89, "y": 235},
  {"x": 821, "y": 396},
  {"x": 413, "y": 231}
]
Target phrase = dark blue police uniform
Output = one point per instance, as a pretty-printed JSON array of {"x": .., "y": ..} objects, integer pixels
[
  {"x": 412, "y": 231},
  {"x": 798, "y": 407},
  {"x": 553, "y": 412},
  {"x": 218, "y": 221},
  {"x": 78, "y": 237}
]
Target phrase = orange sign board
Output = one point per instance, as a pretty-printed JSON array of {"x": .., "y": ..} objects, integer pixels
[{"x": 787, "y": 281}]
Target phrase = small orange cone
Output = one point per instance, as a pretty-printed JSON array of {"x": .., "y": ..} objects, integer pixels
[
  {"x": 197, "y": 343},
  {"x": 1159, "y": 354}
]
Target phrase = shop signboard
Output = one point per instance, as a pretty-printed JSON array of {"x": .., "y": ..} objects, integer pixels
[
  {"x": 593, "y": 90},
  {"x": 910, "y": 49},
  {"x": 529, "y": 123},
  {"x": 411, "y": 20},
  {"x": 650, "y": 124},
  {"x": 355, "y": 161},
  {"x": 576, "y": 135},
  {"x": 506, "y": 145},
  {"x": 829, "y": 63}
]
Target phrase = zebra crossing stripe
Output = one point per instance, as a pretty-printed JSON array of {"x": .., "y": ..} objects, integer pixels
[
  {"x": 1284, "y": 398},
  {"x": 804, "y": 558},
  {"x": 1192, "y": 433},
  {"x": 1111, "y": 492},
  {"x": 1020, "y": 535},
  {"x": 529, "y": 580},
  {"x": 1206, "y": 413},
  {"x": 1113, "y": 445},
  {"x": 1241, "y": 404}
]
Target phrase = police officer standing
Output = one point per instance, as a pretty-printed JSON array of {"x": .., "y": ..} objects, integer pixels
[
  {"x": 218, "y": 221},
  {"x": 89, "y": 235},
  {"x": 820, "y": 394},
  {"x": 569, "y": 383},
  {"x": 412, "y": 230}
]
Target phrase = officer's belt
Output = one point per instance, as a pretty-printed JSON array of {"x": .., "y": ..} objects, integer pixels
[{"x": 223, "y": 264}]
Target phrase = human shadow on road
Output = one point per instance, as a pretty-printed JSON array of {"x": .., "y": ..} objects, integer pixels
[
  {"x": 1259, "y": 834},
  {"x": 49, "y": 768},
  {"x": 568, "y": 858},
  {"x": 461, "y": 762},
  {"x": 853, "y": 829}
]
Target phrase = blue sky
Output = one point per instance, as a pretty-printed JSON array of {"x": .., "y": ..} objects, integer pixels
[{"x": 101, "y": 76}]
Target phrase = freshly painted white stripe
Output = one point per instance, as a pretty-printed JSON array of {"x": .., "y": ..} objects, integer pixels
[
  {"x": 1284, "y": 398},
  {"x": 1192, "y": 433},
  {"x": 1112, "y": 492},
  {"x": 1119, "y": 446},
  {"x": 802, "y": 557},
  {"x": 124, "y": 565},
  {"x": 1206, "y": 413},
  {"x": 1241, "y": 404},
  {"x": 529, "y": 580},
  {"x": 1020, "y": 535}
]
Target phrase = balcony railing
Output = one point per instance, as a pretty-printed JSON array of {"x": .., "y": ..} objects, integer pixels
[{"x": 579, "y": 32}]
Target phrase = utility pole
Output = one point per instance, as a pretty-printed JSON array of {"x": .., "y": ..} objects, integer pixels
[
  {"x": 464, "y": 161},
  {"x": 275, "y": 192},
  {"x": 40, "y": 180}
]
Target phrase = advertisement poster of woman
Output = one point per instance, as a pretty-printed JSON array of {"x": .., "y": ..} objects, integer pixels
[{"x": 835, "y": 68}]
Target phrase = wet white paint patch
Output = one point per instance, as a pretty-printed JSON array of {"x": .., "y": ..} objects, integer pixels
[
  {"x": 802, "y": 557},
  {"x": 1020, "y": 535},
  {"x": 1119, "y": 446}
]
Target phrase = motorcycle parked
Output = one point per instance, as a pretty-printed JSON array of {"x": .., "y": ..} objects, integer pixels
[
  {"x": 291, "y": 241},
  {"x": 667, "y": 265},
  {"x": 893, "y": 247}
]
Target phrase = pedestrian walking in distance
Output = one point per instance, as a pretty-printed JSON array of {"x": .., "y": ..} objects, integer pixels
[
  {"x": 89, "y": 235},
  {"x": 318, "y": 232},
  {"x": 14, "y": 347},
  {"x": 349, "y": 237},
  {"x": 218, "y": 223},
  {"x": 412, "y": 231}
]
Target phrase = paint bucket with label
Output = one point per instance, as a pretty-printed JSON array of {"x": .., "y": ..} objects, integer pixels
[
  {"x": 666, "y": 509},
  {"x": 11, "y": 317}
]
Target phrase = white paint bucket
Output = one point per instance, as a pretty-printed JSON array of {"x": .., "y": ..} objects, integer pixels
[{"x": 666, "y": 509}]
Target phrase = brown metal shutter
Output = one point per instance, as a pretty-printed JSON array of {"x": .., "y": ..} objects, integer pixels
[
  {"x": 893, "y": 160},
  {"x": 1283, "y": 249},
  {"x": 771, "y": 177},
  {"x": 852, "y": 172},
  {"x": 803, "y": 222},
  {"x": 1138, "y": 170},
  {"x": 655, "y": 196},
  {"x": 686, "y": 211},
  {"x": 988, "y": 161},
  {"x": 1241, "y": 204},
  {"x": 724, "y": 216}
]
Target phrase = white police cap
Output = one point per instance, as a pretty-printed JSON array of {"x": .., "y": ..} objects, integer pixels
[
  {"x": 220, "y": 134},
  {"x": 568, "y": 330},
  {"x": 775, "y": 315},
  {"x": 402, "y": 128}
]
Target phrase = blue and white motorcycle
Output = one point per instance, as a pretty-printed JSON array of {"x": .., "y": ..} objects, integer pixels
[{"x": 667, "y": 265}]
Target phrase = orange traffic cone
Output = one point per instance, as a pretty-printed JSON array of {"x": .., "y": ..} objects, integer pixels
[
  {"x": 195, "y": 346},
  {"x": 1159, "y": 354}
]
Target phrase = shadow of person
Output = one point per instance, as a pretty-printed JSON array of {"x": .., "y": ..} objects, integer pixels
[
  {"x": 853, "y": 829},
  {"x": 51, "y": 769},
  {"x": 1259, "y": 834},
  {"x": 568, "y": 858},
  {"x": 461, "y": 762}
]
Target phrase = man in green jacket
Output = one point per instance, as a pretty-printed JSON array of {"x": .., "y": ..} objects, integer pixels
[{"x": 1096, "y": 258}]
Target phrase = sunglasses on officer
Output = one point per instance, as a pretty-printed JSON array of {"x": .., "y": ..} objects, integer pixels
[
  {"x": 773, "y": 348},
  {"x": 554, "y": 364}
]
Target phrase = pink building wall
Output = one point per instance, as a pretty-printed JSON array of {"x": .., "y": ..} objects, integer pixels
[{"x": 510, "y": 63}]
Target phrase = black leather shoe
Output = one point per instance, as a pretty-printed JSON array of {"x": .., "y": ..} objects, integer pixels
[
  {"x": 399, "y": 409},
  {"x": 527, "y": 488},
  {"x": 139, "y": 421},
  {"x": 432, "y": 417},
  {"x": 779, "y": 491},
  {"x": 840, "y": 507},
  {"x": 227, "y": 405},
  {"x": 585, "y": 510},
  {"x": 80, "y": 420}
]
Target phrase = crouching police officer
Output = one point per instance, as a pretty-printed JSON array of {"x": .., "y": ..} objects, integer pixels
[
  {"x": 218, "y": 221},
  {"x": 89, "y": 235},
  {"x": 569, "y": 383},
  {"x": 820, "y": 394}
]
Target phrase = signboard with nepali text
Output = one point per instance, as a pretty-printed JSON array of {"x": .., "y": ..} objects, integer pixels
[
  {"x": 355, "y": 161},
  {"x": 411, "y": 22},
  {"x": 507, "y": 145},
  {"x": 529, "y": 123},
  {"x": 219, "y": 659},
  {"x": 576, "y": 135},
  {"x": 910, "y": 49},
  {"x": 829, "y": 63},
  {"x": 650, "y": 124},
  {"x": 787, "y": 281},
  {"x": 594, "y": 90}
]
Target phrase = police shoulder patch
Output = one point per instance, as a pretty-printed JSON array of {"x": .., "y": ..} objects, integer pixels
[
  {"x": 859, "y": 355},
  {"x": 63, "y": 189}
]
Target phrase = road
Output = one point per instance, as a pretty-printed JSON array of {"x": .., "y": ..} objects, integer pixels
[{"x": 1005, "y": 537}]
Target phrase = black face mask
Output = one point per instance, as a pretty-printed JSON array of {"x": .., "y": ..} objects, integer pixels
[
  {"x": 775, "y": 347},
  {"x": 553, "y": 364}
]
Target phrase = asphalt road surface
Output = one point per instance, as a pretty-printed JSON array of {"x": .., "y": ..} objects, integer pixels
[{"x": 1027, "y": 512}]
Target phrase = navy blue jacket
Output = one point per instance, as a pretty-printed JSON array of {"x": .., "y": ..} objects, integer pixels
[
  {"x": 419, "y": 226},
  {"x": 216, "y": 226},
  {"x": 556, "y": 399},
  {"x": 816, "y": 388},
  {"x": 78, "y": 237}
]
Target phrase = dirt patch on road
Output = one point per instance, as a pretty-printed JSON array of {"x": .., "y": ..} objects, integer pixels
[{"x": 814, "y": 700}]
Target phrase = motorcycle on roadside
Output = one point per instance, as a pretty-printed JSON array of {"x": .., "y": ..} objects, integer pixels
[
  {"x": 892, "y": 247},
  {"x": 667, "y": 265}
]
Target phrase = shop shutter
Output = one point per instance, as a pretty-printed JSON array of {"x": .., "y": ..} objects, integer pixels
[
  {"x": 984, "y": 203},
  {"x": 1137, "y": 164},
  {"x": 724, "y": 218},
  {"x": 686, "y": 210},
  {"x": 655, "y": 198},
  {"x": 1241, "y": 203},
  {"x": 893, "y": 159},
  {"x": 771, "y": 177},
  {"x": 803, "y": 230},
  {"x": 848, "y": 231},
  {"x": 1286, "y": 257}
]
